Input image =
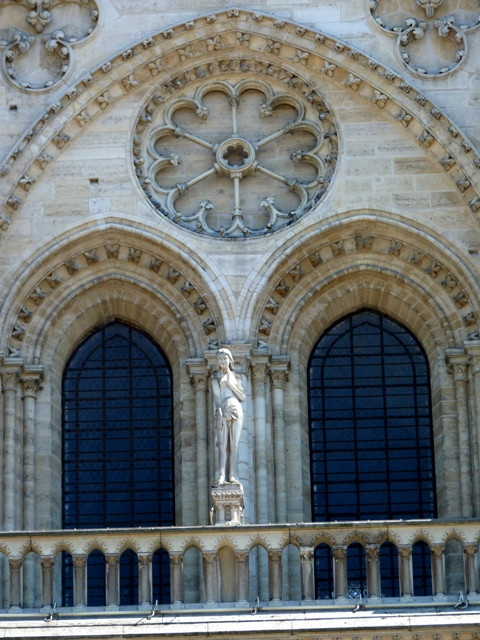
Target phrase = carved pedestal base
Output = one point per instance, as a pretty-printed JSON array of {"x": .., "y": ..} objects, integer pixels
[{"x": 227, "y": 503}]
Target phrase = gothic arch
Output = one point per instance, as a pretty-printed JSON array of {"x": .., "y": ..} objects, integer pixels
[
  {"x": 235, "y": 40},
  {"x": 381, "y": 260},
  {"x": 55, "y": 282}
]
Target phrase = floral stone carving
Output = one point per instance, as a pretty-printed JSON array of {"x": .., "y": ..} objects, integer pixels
[
  {"x": 37, "y": 37},
  {"x": 232, "y": 160},
  {"x": 431, "y": 34}
]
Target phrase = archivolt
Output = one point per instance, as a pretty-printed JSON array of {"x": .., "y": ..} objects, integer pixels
[
  {"x": 366, "y": 262},
  {"x": 220, "y": 43},
  {"x": 158, "y": 283}
]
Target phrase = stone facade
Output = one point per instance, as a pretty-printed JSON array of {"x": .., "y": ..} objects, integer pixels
[{"x": 152, "y": 157}]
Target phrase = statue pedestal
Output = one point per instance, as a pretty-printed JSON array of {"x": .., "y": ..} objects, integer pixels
[{"x": 227, "y": 503}]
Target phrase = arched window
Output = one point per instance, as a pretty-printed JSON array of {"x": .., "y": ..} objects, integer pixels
[
  {"x": 370, "y": 423},
  {"x": 117, "y": 433}
]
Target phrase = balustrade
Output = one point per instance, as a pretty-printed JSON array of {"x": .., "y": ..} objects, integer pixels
[{"x": 242, "y": 539}]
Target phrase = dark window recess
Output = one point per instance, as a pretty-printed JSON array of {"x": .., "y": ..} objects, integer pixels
[
  {"x": 371, "y": 434},
  {"x": 117, "y": 447}
]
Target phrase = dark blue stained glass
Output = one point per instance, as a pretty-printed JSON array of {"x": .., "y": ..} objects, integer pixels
[
  {"x": 117, "y": 445},
  {"x": 370, "y": 431}
]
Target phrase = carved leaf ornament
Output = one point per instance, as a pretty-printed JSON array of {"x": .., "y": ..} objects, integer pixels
[
  {"x": 431, "y": 34},
  {"x": 236, "y": 160},
  {"x": 37, "y": 37}
]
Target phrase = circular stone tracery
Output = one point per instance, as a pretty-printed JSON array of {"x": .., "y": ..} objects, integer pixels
[{"x": 232, "y": 160}]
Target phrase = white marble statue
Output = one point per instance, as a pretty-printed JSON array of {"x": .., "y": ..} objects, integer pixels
[{"x": 228, "y": 416}]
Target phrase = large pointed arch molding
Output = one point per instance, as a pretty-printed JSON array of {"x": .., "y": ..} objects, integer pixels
[
  {"x": 381, "y": 258},
  {"x": 49, "y": 285},
  {"x": 240, "y": 40}
]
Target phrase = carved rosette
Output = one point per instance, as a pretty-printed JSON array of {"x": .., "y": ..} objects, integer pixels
[
  {"x": 424, "y": 31},
  {"x": 37, "y": 37},
  {"x": 235, "y": 160}
]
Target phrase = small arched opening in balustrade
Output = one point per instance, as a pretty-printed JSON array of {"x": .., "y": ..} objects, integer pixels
[
  {"x": 291, "y": 573},
  {"x": 421, "y": 569},
  {"x": 356, "y": 572},
  {"x": 323, "y": 561},
  {"x": 370, "y": 425},
  {"x": 128, "y": 578},
  {"x": 4, "y": 581},
  {"x": 161, "y": 577},
  {"x": 193, "y": 579},
  {"x": 259, "y": 582},
  {"x": 96, "y": 596},
  {"x": 63, "y": 579},
  {"x": 389, "y": 575}
]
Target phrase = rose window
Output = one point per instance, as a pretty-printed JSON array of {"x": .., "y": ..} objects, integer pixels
[{"x": 234, "y": 160}]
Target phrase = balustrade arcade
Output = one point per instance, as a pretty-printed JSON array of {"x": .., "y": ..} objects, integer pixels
[{"x": 241, "y": 540}]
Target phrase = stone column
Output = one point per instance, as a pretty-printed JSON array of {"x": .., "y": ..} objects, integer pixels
[
  {"x": 79, "y": 581},
  {"x": 199, "y": 379},
  {"x": 473, "y": 353},
  {"x": 176, "y": 579},
  {"x": 458, "y": 368},
  {"x": 112, "y": 580},
  {"x": 308, "y": 573},
  {"x": 279, "y": 377},
  {"x": 340, "y": 581},
  {"x": 47, "y": 564},
  {"x": 241, "y": 578},
  {"x": 144, "y": 579},
  {"x": 10, "y": 379},
  {"x": 260, "y": 437},
  {"x": 15, "y": 584},
  {"x": 275, "y": 575},
  {"x": 438, "y": 569},
  {"x": 405, "y": 572},
  {"x": 471, "y": 569},
  {"x": 31, "y": 378},
  {"x": 372, "y": 553},
  {"x": 210, "y": 578}
]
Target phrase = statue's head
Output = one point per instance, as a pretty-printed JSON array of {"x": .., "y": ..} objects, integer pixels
[{"x": 225, "y": 356}]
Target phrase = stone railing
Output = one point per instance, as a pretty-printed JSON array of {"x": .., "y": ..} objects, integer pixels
[{"x": 224, "y": 553}]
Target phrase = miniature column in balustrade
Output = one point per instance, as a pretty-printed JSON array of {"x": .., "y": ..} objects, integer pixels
[
  {"x": 457, "y": 363},
  {"x": 176, "y": 579},
  {"x": 438, "y": 570},
  {"x": 471, "y": 569},
  {"x": 405, "y": 572},
  {"x": 144, "y": 579},
  {"x": 79, "y": 581},
  {"x": 210, "y": 577},
  {"x": 275, "y": 574},
  {"x": 241, "y": 577},
  {"x": 199, "y": 379},
  {"x": 112, "y": 580},
  {"x": 472, "y": 349},
  {"x": 308, "y": 574},
  {"x": 372, "y": 553},
  {"x": 340, "y": 572}
]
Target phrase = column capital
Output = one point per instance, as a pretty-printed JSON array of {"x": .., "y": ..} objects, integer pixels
[
  {"x": 279, "y": 369},
  {"x": 31, "y": 379},
  {"x": 457, "y": 363},
  {"x": 10, "y": 375}
]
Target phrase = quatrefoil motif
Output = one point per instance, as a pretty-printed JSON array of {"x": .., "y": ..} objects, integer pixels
[
  {"x": 236, "y": 160},
  {"x": 431, "y": 34},
  {"x": 37, "y": 37}
]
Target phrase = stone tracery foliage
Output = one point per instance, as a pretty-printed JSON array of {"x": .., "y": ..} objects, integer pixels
[
  {"x": 219, "y": 139},
  {"x": 426, "y": 26},
  {"x": 38, "y": 39}
]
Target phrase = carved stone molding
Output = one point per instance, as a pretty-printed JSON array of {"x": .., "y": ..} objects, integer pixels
[
  {"x": 438, "y": 26},
  {"x": 159, "y": 55},
  {"x": 350, "y": 245},
  {"x": 274, "y": 161},
  {"x": 89, "y": 259},
  {"x": 37, "y": 37}
]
